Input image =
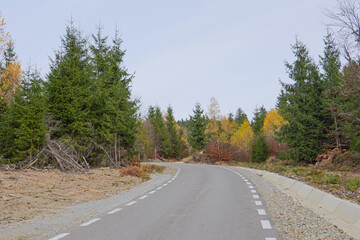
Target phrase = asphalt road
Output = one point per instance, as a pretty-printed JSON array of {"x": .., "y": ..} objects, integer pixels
[{"x": 200, "y": 202}]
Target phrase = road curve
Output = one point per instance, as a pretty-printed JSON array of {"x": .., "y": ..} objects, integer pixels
[{"x": 199, "y": 202}]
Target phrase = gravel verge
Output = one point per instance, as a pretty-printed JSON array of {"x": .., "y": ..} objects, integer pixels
[
  {"x": 46, "y": 226},
  {"x": 292, "y": 220}
]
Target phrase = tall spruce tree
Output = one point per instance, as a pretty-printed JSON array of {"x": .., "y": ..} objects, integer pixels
[
  {"x": 331, "y": 65},
  {"x": 240, "y": 117},
  {"x": 24, "y": 125},
  {"x": 173, "y": 134},
  {"x": 259, "y": 149},
  {"x": 161, "y": 132},
  {"x": 197, "y": 124},
  {"x": 69, "y": 88},
  {"x": 258, "y": 121},
  {"x": 303, "y": 106}
]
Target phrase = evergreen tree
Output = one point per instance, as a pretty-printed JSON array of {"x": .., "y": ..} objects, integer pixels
[
  {"x": 258, "y": 121},
  {"x": 173, "y": 134},
  {"x": 331, "y": 65},
  {"x": 114, "y": 113},
  {"x": 197, "y": 137},
  {"x": 69, "y": 88},
  {"x": 260, "y": 149},
  {"x": 161, "y": 132},
  {"x": 302, "y": 106},
  {"x": 23, "y": 129},
  {"x": 240, "y": 117}
]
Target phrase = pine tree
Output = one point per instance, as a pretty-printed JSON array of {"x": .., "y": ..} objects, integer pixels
[
  {"x": 157, "y": 121},
  {"x": 331, "y": 65},
  {"x": 258, "y": 121},
  {"x": 69, "y": 88},
  {"x": 198, "y": 122},
  {"x": 302, "y": 105},
  {"x": 24, "y": 129},
  {"x": 260, "y": 149},
  {"x": 240, "y": 117},
  {"x": 173, "y": 134}
]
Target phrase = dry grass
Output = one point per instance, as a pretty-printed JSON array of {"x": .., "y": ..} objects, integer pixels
[{"x": 28, "y": 193}]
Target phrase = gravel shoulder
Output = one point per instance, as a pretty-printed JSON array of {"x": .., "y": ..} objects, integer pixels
[
  {"x": 55, "y": 220},
  {"x": 292, "y": 220}
]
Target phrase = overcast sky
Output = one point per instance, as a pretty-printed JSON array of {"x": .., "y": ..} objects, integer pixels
[{"x": 183, "y": 51}]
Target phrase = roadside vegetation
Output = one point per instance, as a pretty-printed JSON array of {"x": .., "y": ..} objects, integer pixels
[{"x": 82, "y": 113}]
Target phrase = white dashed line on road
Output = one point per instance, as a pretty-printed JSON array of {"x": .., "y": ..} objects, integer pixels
[
  {"x": 130, "y": 203},
  {"x": 59, "y": 236},
  {"x": 270, "y": 238},
  {"x": 265, "y": 224},
  {"x": 253, "y": 191},
  {"x": 248, "y": 183},
  {"x": 159, "y": 188},
  {"x": 90, "y": 222},
  {"x": 114, "y": 211},
  {"x": 152, "y": 192},
  {"x": 261, "y": 211},
  {"x": 256, "y": 196},
  {"x": 258, "y": 203},
  {"x": 251, "y": 187},
  {"x": 143, "y": 197}
]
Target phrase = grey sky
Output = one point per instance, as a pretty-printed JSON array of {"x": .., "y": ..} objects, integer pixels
[{"x": 183, "y": 51}]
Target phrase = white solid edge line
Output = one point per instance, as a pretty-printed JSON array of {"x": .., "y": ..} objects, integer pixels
[
  {"x": 253, "y": 191},
  {"x": 266, "y": 224},
  {"x": 152, "y": 192},
  {"x": 255, "y": 196},
  {"x": 258, "y": 203},
  {"x": 143, "y": 197},
  {"x": 130, "y": 203},
  {"x": 90, "y": 222},
  {"x": 59, "y": 236},
  {"x": 114, "y": 211},
  {"x": 261, "y": 211}
]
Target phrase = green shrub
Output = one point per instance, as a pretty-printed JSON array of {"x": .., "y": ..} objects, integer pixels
[{"x": 353, "y": 184}]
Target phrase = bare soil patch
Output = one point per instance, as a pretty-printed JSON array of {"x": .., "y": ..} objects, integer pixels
[{"x": 25, "y": 194}]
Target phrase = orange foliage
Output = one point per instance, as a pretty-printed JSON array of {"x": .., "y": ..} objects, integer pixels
[
  {"x": 11, "y": 73},
  {"x": 9, "y": 81},
  {"x": 272, "y": 123},
  {"x": 220, "y": 152}
]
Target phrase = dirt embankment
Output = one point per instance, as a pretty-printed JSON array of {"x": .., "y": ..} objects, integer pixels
[{"x": 28, "y": 193}]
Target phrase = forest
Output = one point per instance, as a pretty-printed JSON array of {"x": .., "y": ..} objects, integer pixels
[{"x": 82, "y": 113}]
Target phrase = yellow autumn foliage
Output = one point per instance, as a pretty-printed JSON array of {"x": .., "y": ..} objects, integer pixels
[
  {"x": 10, "y": 73},
  {"x": 243, "y": 137},
  {"x": 273, "y": 122}
]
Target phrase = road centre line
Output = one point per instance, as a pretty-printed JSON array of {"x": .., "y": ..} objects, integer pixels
[
  {"x": 59, "y": 236},
  {"x": 266, "y": 224},
  {"x": 90, "y": 222},
  {"x": 131, "y": 203},
  {"x": 114, "y": 211}
]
